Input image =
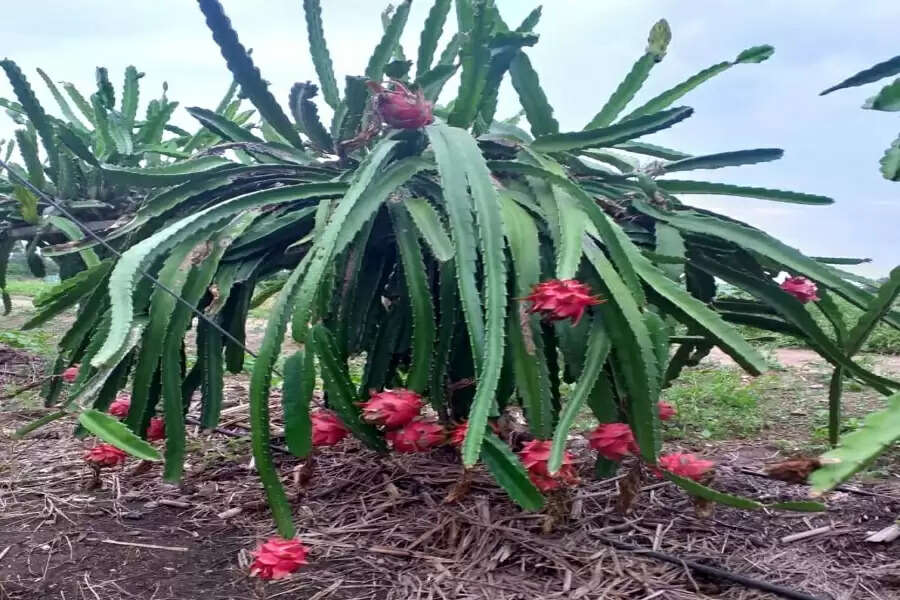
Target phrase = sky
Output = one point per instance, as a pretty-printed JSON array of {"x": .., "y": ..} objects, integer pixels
[{"x": 831, "y": 146}]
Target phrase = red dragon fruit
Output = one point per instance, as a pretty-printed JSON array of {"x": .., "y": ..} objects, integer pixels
[
  {"x": 666, "y": 411},
  {"x": 613, "y": 441},
  {"x": 417, "y": 436},
  {"x": 458, "y": 434},
  {"x": 277, "y": 558},
  {"x": 121, "y": 406},
  {"x": 561, "y": 299},
  {"x": 327, "y": 428},
  {"x": 104, "y": 455},
  {"x": 70, "y": 374},
  {"x": 534, "y": 456},
  {"x": 801, "y": 288},
  {"x": 399, "y": 107},
  {"x": 392, "y": 408},
  {"x": 686, "y": 465},
  {"x": 156, "y": 430}
]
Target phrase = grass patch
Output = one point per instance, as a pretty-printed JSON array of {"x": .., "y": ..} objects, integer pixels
[
  {"x": 37, "y": 341},
  {"x": 715, "y": 403},
  {"x": 27, "y": 287}
]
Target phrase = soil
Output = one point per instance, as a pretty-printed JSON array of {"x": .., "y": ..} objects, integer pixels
[{"x": 378, "y": 527}]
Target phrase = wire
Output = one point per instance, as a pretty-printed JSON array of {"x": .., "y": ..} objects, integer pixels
[{"x": 90, "y": 232}]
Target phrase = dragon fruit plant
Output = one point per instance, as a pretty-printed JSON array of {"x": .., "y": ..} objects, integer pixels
[{"x": 476, "y": 263}]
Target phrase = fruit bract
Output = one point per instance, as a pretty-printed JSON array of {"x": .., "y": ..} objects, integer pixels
[
  {"x": 156, "y": 430},
  {"x": 534, "y": 456},
  {"x": 121, "y": 406}
]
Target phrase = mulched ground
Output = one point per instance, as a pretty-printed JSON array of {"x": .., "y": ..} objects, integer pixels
[{"x": 378, "y": 528}]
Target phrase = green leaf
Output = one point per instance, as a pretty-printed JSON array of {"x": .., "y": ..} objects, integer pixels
[
  {"x": 707, "y": 493},
  {"x": 78, "y": 99},
  {"x": 881, "y": 305},
  {"x": 431, "y": 33},
  {"x": 28, "y": 205},
  {"x": 385, "y": 48},
  {"x": 525, "y": 342},
  {"x": 509, "y": 472},
  {"x": 34, "y": 110},
  {"x": 660, "y": 35},
  {"x": 120, "y": 132},
  {"x": 890, "y": 162},
  {"x": 798, "y": 506},
  {"x": 74, "y": 143},
  {"x": 531, "y": 96},
  {"x": 756, "y": 54},
  {"x": 171, "y": 174},
  {"x": 597, "y": 350},
  {"x": 29, "y": 153},
  {"x": 154, "y": 124},
  {"x": 699, "y": 316},
  {"x": 222, "y": 126},
  {"x": 670, "y": 244},
  {"x": 130, "y": 93},
  {"x": 725, "y": 159},
  {"x": 260, "y": 382},
  {"x": 360, "y": 202},
  {"x": 341, "y": 395},
  {"x": 430, "y": 227},
  {"x": 61, "y": 100},
  {"x": 794, "y": 311},
  {"x": 104, "y": 144},
  {"x": 419, "y": 291},
  {"x": 318, "y": 49},
  {"x": 873, "y": 73},
  {"x": 105, "y": 92},
  {"x": 112, "y": 431},
  {"x": 296, "y": 396},
  {"x": 677, "y": 186},
  {"x": 634, "y": 349},
  {"x": 612, "y": 135},
  {"x": 530, "y": 21},
  {"x": 67, "y": 294},
  {"x": 475, "y": 57},
  {"x": 457, "y": 146},
  {"x": 138, "y": 256},
  {"x": 307, "y": 115},
  {"x": 888, "y": 99},
  {"x": 209, "y": 362},
  {"x": 245, "y": 72},
  {"x": 859, "y": 448},
  {"x": 349, "y": 113},
  {"x": 572, "y": 224},
  {"x": 652, "y": 150}
]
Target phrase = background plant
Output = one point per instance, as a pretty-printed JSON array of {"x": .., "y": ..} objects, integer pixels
[{"x": 417, "y": 248}]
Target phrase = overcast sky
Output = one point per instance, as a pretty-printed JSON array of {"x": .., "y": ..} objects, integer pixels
[{"x": 831, "y": 146}]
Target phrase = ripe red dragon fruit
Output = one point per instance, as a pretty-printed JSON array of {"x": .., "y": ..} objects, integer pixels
[
  {"x": 613, "y": 441},
  {"x": 559, "y": 299},
  {"x": 458, "y": 434},
  {"x": 156, "y": 430},
  {"x": 534, "y": 456},
  {"x": 417, "y": 436},
  {"x": 399, "y": 107},
  {"x": 277, "y": 558},
  {"x": 686, "y": 465},
  {"x": 70, "y": 374},
  {"x": 104, "y": 455},
  {"x": 392, "y": 408},
  {"x": 801, "y": 288},
  {"x": 666, "y": 411},
  {"x": 121, "y": 406},
  {"x": 327, "y": 428}
]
